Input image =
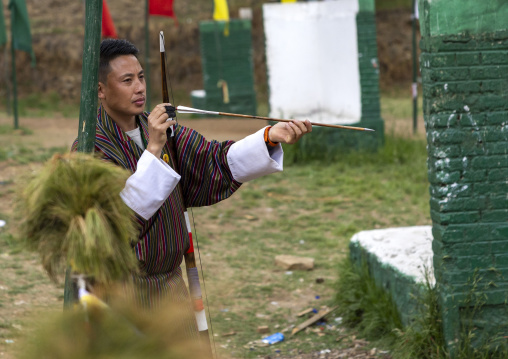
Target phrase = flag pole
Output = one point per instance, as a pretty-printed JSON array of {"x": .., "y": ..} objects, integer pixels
[
  {"x": 88, "y": 105},
  {"x": 147, "y": 55},
  {"x": 7, "y": 82},
  {"x": 90, "y": 76},
  {"x": 415, "y": 84},
  {"x": 14, "y": 87},
  {"x": 14, "y": 80},
  {"x": 5, "y": 69}
]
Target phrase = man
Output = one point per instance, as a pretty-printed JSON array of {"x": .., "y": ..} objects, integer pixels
[{"x": 209, "y": 171}]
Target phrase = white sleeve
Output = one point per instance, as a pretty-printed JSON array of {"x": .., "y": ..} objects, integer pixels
[
  {"x": 249, "y": 158},
  {"x": 147, "y": 188}
]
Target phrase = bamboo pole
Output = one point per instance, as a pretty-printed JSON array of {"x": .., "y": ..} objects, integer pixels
[
  {"x": 415, "y": 84},
  {"x": 88, "y": 105},
  {"x": 147, "y": 54},
  {"x": 14, "y": 80},
  {"x": 90, "y": 76},
  {"x": 7, "y": 82}
]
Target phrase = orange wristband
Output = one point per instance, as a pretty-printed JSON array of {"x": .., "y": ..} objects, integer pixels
[{"x": 267, "y": 138}]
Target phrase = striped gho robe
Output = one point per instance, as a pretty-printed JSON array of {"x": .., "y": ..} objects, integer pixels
[{"x": 205, "y": 179}]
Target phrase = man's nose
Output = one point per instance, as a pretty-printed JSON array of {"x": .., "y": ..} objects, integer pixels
[{"x": 140, "y": 86}]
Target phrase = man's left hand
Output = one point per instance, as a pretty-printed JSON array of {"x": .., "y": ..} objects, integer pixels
[{"x": 289, "y": 132}]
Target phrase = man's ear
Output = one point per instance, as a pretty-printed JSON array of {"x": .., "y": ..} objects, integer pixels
[{"x": 102, "y": 88}]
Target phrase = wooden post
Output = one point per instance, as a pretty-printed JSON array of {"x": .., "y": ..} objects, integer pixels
[
  {"x": 7, "y": 83},
  {"x": 147, "y": 54},
  {"x": 14, "y": 81},
  {"x": 90, "y": 76},
  {"x": 88, "y": 105},
  {"x": 415, "y": 72}
]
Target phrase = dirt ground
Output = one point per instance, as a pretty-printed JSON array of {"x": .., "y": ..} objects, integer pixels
[
  {"x": 25, "y": 289},
  {"x": 57, "y": 28}
]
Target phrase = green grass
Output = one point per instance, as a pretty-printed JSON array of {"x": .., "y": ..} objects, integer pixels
[
  {"x": 44, "y": 105},
  {"x": 370, "y": 311},
  {"x": 311, "y": 209},
  {"x": 8, "y": 243},
  {"x": 8, "y": 130},
  {"x": 399, "y": 105},
  {"x": 25, "y": 155},
  {"x": 365, "y": 306},
  {"x": 393, "y": 4}
]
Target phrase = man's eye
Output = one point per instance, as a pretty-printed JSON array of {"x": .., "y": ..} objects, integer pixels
[{"x": 127, "y": 80}]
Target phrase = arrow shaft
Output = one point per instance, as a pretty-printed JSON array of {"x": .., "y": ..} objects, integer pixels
[
  {"x": 184, "y": 109},
  {"x": 284, "y": 120}
]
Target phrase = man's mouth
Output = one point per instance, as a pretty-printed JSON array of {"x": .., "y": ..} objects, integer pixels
[{"x": 139, "y": 101}]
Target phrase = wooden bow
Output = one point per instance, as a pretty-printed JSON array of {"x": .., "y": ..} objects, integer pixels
[{"x": 190, "y": 259}]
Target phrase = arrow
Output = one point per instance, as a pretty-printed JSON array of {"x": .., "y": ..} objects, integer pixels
[{"x": 185, "y": 109}]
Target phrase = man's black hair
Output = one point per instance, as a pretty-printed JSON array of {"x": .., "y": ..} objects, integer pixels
[{"x": 111, "y": 49}]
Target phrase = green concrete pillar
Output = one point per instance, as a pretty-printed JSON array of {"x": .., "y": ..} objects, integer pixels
[
  {"x": 228, "y": 69},
  {"x": 464, "y": 65}
]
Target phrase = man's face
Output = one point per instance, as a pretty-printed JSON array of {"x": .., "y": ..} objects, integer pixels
[{"x": 123, "y": 96}]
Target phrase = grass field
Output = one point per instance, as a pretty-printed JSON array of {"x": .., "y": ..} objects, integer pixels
[{"x": 311, "y": 209}]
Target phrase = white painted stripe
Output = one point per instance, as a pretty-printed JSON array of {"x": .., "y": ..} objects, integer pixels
[
  {"x": 161, "y": 42},
  {"x": 187, "y": 221},
  {"x": 201, "y": 320},
  {"x": 407, "y": 249},
  {"x": 82, "y": 292}
]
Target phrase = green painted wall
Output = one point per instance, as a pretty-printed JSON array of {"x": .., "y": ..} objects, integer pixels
[
  {"x": 447, "y": 17},
  {"x": 369, "y": 67},
  {"x": 404, "y": 290},
  {"x": 465, "y": 105},
  {"x": 366, "y": 5},
  {"x": 227, "y": 56}
]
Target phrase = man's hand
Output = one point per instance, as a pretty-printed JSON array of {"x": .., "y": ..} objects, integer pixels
[
  {"x": 289, "y": 132},
  {"x": 157, "y": 127}
]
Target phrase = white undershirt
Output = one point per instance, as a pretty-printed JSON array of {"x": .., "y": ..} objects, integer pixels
[{"x": 135, "y": 135}]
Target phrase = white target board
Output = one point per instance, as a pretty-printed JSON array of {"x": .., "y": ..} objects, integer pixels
[{"x": 312, "y": 61}]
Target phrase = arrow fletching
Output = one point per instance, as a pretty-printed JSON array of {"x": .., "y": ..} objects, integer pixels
[{"x": 185, "y": 109}]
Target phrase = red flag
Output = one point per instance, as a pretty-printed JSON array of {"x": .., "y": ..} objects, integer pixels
[
  {"x": 108, "y": 28},
  {"x": 161, "y": 8}
]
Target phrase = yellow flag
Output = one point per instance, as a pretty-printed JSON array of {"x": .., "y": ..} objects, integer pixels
[
  {"x": 220, "y": 10},
  {"x": 287, "y": 0}
]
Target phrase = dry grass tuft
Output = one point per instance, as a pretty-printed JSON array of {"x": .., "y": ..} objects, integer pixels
[
  {"x": 71, "y": 214},
  {"x": 122, "y": 331}
]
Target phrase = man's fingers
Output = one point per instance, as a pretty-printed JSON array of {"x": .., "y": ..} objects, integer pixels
[
  {"x": 298, "y": 127},
  {"x": 291, "y": 132},
  {"x": 308, "y": 125},
  {"x": 290, "y": 126},
  {"x": 160, "y": 115},
  {"x": 162, "y": 118},
  {"x": 301, "y": 126},
  {"x": 169, "y": 123},
  {"x": 162, "y": 108}
]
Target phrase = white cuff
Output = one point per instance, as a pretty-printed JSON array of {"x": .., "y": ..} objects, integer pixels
[
  {"x": 147, "y": 188},
  {"x": 249, "y": 158}
]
